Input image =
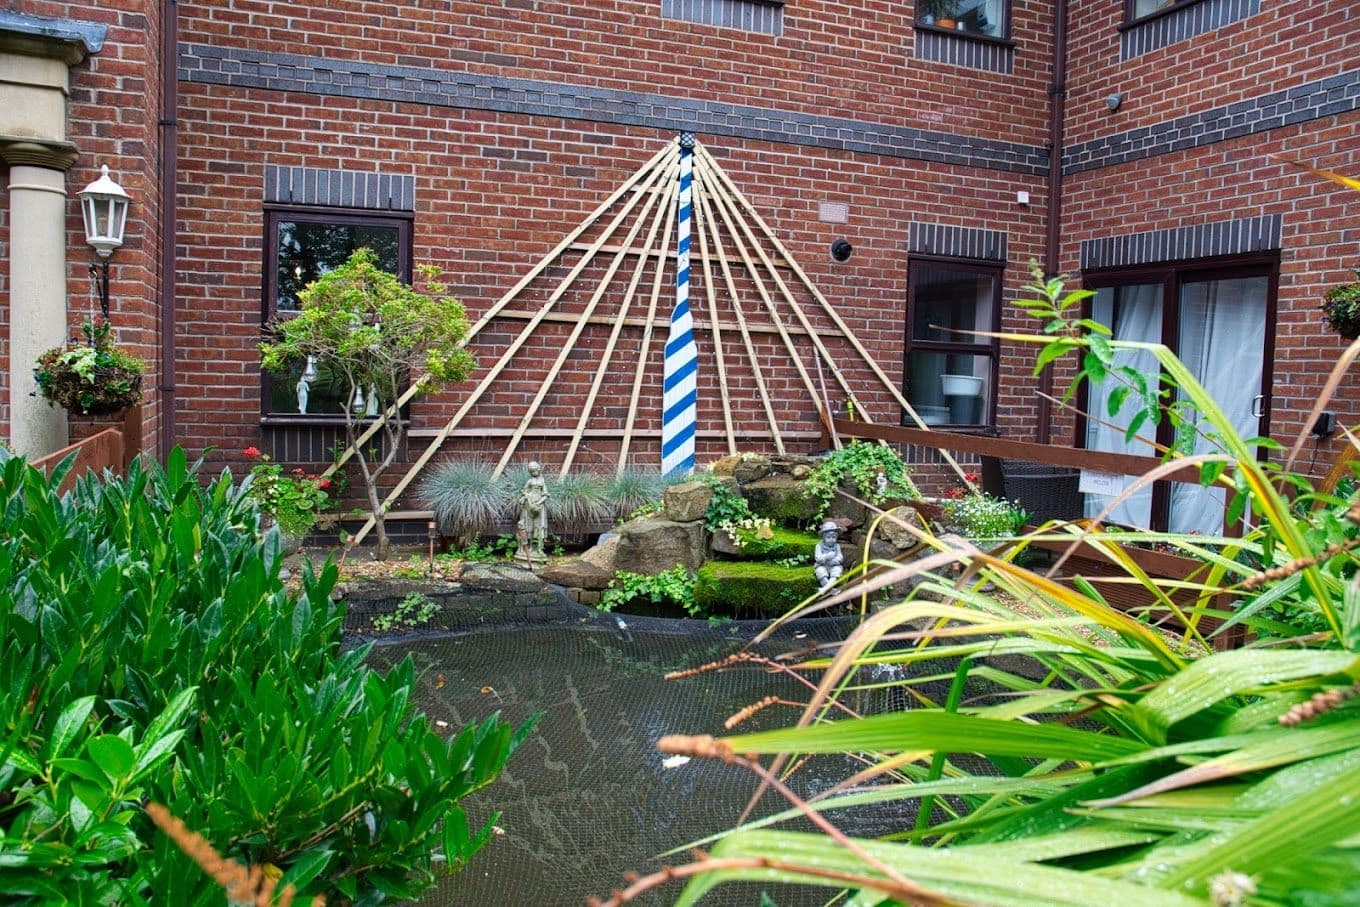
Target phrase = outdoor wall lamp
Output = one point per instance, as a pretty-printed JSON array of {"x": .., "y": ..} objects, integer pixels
[
  {"x": 841, "y": 250},
  {"x": 104, "y": 208}
]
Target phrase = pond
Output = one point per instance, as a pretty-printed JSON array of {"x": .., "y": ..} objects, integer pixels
[{"x": 588, "y": 797}]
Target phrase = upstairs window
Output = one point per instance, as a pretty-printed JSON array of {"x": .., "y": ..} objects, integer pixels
[
  {"x": 977, "y": 18},
  {"x": 301, "y": 245}
]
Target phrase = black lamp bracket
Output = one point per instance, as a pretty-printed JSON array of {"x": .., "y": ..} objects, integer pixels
[{"x": 99, "y": 270}]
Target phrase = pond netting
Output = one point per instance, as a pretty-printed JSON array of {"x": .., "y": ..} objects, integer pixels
[{"x": 588, "y": 797}]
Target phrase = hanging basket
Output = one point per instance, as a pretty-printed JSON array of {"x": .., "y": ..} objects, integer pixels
[{"x": 113, "y": 390}]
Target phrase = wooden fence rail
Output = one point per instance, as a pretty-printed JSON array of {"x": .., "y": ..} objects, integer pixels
[{"x": 113, "y": 448}]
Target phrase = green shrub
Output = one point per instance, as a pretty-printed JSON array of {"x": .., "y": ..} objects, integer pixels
[
  {"x": 415, "y": 610},
  {"x": 983, "y": 517},
  {"x": 149, "y": 652},
  {"x": 751, "y": 588},
  {"x": 632, "y": 489},
  {"x": 466, "y": 500},
  {"x": 861, "y": 462},
  {"x": 577, "y": 502},
  {"x": 673, "y": 587},
  {"x": 783, "y": 544}
]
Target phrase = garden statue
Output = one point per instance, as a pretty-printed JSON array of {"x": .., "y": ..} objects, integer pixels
[
  {"x": 827, "y": 555},
  {"x": 304, "y": 385},
  {"x": 533, "y": 514}
]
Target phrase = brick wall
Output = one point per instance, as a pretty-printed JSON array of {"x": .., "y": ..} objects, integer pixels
[
  {"x": 516, "y": 133},
  {"x": 1193, "y": 145}
]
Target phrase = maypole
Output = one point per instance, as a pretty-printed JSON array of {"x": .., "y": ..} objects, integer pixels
[{"x": 679, "y": 399}]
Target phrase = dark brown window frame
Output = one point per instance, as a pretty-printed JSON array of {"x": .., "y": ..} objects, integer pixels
[
  {"x": 1172, "y": 275},
  {"x": 273, "y": 213},
  {"x": 1130, "y": 21},
  {"x": 990, "y": 348},
  {"x": 1004, "y": 38}
]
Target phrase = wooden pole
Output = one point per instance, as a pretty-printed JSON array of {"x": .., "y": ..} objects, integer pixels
[
  {"x": 670, "y": 150},
  {"x": 831, "y": 313},
  {"x": 580, "y": 326},
  {"x": 706, "y": 219},
  {"x": 644, "y": 349},
  {"x": 721, "y": 203},
  {"x": 505, "y": 358},
  {"x": 616, "y": 330},
  {"x": 711, "y": 292}
]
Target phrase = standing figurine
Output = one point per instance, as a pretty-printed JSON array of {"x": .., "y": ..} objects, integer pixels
[
  {"x": 882, "y": 485},
  {"x": 533, "y": 514},
  {"x": 827, "y": 555}
]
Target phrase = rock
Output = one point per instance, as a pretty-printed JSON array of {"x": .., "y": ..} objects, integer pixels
[
  {"x": 687, "y": 501},
  {"x": 747, "y": 588},
  {"x": 500, "y": 577},
  {"x": 751, "y": 468},
  {"x": 576, "y": 573},
  {"x": 726, "y": 466},
  {"x": 651, "y": 546},
  {"x": 604, "y": 554},
  {"x": 782, "y": 499},
  {"x": 892, "y": 530},
  {"x": 801, "y": 471},
  {"x": 846, "y": 511},
  {"x": 881, "y": 549}
]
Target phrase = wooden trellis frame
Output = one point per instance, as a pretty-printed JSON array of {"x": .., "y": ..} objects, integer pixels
[{"x": 649, "y": 199}]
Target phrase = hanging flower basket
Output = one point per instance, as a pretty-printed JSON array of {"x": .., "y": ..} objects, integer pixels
[
  {"x": 1341, "y": 309},
  {"x": 93, "y": 378}
]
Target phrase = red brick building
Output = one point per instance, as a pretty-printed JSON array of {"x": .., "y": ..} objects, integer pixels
[{"x": 477, "y": 135}]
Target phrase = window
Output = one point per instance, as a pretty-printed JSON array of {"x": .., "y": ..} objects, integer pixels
[
  {"x": 761, "y": 16},
  {"x": 1139, "y": 9},
  {"x": 951, "y": 375},
  {"x": 1218, "y": 319},
  {"x": 988, "y": 18},
  {"x": 301, "y": 245}
]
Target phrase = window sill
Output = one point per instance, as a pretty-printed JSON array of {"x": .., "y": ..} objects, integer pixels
[
  {"x": 310, "y": 421},
  {"x": 968, "y": 35},
  {"x": 1162, "y": 13}
]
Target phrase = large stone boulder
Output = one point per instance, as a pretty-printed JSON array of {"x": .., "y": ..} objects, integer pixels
[
  {"x": 576, "y": 573},
  {"x": 847, "y": 510},
  {"x": 726, "y": 466},
  {"x": 781, "y": 498},
  {"x": 892, "y": 530},
  {"x": 751, "y": 468},
  {"x": 686, "y": 502},
  {"x": 650, "y": 546},
  {"x": 751, "y": 588},
  {"x": 778, "y": 543}
]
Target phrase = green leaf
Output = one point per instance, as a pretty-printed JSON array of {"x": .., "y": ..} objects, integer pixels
[
  {"x": 68, "y": 725},
  {"x": 1209, "y": 472},
  {"x": 937, "y": 732},
  {"x": 1115, "y": 402},
  {"x": 308, "y": 866},
  {"x": 112, "y": 754},
  {"x": 1052, "y": 351}
]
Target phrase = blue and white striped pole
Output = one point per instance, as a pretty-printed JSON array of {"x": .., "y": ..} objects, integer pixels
[{"x": 679, "y": 406}]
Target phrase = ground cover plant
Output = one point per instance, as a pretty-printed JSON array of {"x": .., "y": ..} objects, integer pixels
[
  {"x": 149, "y": 653},
  {"x": 1062, "y": 751}
]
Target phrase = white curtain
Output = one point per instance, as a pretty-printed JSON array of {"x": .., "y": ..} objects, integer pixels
[
  {"x": 1133, "y": 313},
  {"x": 1222, "y": 326}
]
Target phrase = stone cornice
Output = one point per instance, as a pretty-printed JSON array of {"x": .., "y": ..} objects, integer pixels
[
  {"x": 34, "y": 152},
  {"x": 61, "y": 39}
]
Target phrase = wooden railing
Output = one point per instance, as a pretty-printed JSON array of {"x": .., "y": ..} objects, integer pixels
[{"x": 113, "y": 448}]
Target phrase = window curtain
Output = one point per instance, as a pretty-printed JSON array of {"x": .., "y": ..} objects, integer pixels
[
  {"x": 1222, "y": 323},
  {"x": 1133, "y": 313}
]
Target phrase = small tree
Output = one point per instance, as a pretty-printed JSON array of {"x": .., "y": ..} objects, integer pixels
[{"x": 368, "y": 326}]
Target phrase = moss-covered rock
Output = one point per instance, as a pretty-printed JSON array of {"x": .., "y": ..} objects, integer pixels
[
  {"x": 751, "y": 588},
  {"x": 783, "y": 543},
  {"x": 783, "y": 499}
]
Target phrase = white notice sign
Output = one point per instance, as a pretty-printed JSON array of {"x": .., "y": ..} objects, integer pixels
[{"x": 1100, "y": 483}]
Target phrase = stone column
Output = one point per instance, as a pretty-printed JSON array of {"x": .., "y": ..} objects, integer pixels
[
  {"x": 37, "y": 287},
  {"x": 35, "y": 58}
]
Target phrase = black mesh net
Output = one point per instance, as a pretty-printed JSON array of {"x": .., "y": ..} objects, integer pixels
[{"x": 588, "y": 797}]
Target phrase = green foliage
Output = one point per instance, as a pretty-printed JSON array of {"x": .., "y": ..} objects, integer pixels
[
  {"x": 92, "y": 378},
  {"x": 149, "y": 652},
  {"x": 861, "y": 463},
  {"x": 578, "y": 502},
  {"x": 294, "y": 500},
  {"x": 1090, "y": 754},
  {"x": 465, "y": 498},
  {"x": 727, "y": 506},
  {"x": 671, "y": 587},
  {"x": 415, "y": 610},
  {"x": 501, "y": 548},
  {"x": 1341, "y": 309},
  {"x": 632, "y": 489},
  {"x": 751, "y": 588},
  {"x": 365, "y": 325},
  {"x": 781, "y": 544},
  {"x": 981, "y": 516}
]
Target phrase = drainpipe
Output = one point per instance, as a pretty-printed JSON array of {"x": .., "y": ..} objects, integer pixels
[
  {"x": 1057, "y": 97},
  {"x": 169, "y": 152}
]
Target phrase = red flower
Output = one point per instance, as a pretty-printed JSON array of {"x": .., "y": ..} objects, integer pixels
[
  {"x": 324, "y": 484},
  {"x": 251, "y": 453},
  {"x": 299, "y": 472}
]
